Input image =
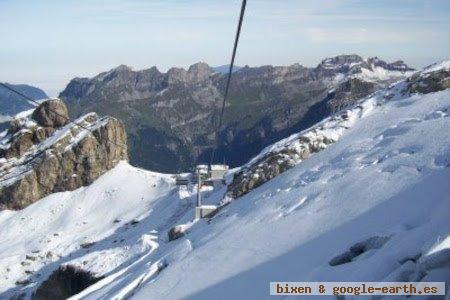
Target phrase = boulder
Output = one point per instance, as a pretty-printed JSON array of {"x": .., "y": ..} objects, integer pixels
[
  {"x": 64, "y": 282},
  {"x": 51, "y": 113},
  {"x": 176, "y": 232}
]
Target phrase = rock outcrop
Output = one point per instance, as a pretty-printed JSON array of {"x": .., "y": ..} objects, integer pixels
[
  {"x": 43, "y": 153},
  {"x": 51, "y": 113},
  {"x": 176, "y": 232},
  {"x": 276, "y": 162},
  {"x": 429, "y": 83},
  {"x": 64, "y": 282}
]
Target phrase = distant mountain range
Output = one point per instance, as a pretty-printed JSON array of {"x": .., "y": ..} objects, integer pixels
[
  {"x": 11, "y": 103},
  {"x": 169, "y": 116},
  {"x": 225, "y": 68}
]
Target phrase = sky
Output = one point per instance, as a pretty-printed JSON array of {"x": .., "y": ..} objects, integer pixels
[{"x": 47, "y": 43}]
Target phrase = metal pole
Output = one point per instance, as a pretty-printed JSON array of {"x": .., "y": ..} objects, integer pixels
[{"x": 199, "y": 186}]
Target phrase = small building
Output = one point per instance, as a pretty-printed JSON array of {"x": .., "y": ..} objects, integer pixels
[
  {"x": 183, "y": 179},
  {"x": 205, "y": 211},
  {"x": 218, "y": 172},
  {"x": 209, "y": 175}
]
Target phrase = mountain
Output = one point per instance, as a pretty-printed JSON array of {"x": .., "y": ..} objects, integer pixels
[
  {"x": 11, "y": 103},
  {"x": 42, "y": 153},
  {"x": 169, "y": 116},
  {"x": 360, "y": 196},
  {"x": 225, "y": 68}
]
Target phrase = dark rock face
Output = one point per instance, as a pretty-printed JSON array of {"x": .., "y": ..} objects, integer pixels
[
  {"x": 169, "y": 116},
  {"x": 375, "y": 242},
  {"x": 274, "y": 163},
  {"x": 38, "y": 161},
  {"x": 66, "y": 281},
  {"x": 433, "y": 82},
  {"x": 348, "y": 92},
  {"x": 176, "y": 232},
  {"x": 51, "y": 113},
  {"x": 398, "y": 65}
]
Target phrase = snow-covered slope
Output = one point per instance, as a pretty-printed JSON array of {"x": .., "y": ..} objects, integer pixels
[
  {"x": 111, "y": 212},
  {"x": 383, "y": 182}
]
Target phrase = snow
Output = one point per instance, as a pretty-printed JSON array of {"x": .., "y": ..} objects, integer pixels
[
  {"x": 25, "y": 113},
  {"x": 381, "y": 179},
  {"x": 219, "y": 167},
  {"x": 291, "y": 227},
  {"x": 443, "y": 65},
  {"x": 61, "y": 222},
  {"x": 381, "y": 74},
  {"x": 5, "y": 118},
  {"x": 365, "y": 70},
  {"x": 383, "y": 183}
]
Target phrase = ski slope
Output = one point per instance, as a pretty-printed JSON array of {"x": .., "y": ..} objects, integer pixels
[{"x": 384, "y": 183}]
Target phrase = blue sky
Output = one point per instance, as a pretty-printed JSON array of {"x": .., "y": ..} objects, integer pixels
[{"x": 46, "y": 43}]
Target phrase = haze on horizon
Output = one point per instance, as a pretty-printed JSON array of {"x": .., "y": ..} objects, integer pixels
[{"x": 47, "y": 43}]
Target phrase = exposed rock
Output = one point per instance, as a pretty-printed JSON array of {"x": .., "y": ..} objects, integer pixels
[
  {"x": 398, "y": 65},
  {"x": 14, "y": 126},
  {"x": 87, "y": 245},
  {"x": 276, "y": 162},
  {"x": 23, "y": 282},
  {"x": 176, "y": 232},
  {"x": 51, "y": 113},
  {"x": 43, "y": 160},
  {"x": 375, "y": 242},
  {"x": 20, "y": 144},
  {"x": 169, "y": 116},
  {"x": 49, "y": 255},
  {"x": 30, "y": 257},
  {"x": 433, "y": 82},
  {"x": 65, "y": 282},
  {"x": 348, "y": 92}
]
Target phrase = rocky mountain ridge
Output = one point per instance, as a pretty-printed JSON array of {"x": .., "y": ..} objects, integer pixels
[
  {"x": 170, "y": 116},
  {"x": 287, "y": 153},
  {"x": 42, "y": 153}
]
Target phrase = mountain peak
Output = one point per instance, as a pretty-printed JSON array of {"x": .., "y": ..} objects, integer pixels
[
  {"x": 122, "y": 68},
  {"x": 199, "y": 67},
  {"x": 398, "y": 65},
  {"x": 200, "y": 71},
  {"x": 340, "y": 60}
]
